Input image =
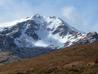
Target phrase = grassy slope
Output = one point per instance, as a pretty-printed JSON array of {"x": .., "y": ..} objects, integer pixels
[{"x": 81, "y": 59}]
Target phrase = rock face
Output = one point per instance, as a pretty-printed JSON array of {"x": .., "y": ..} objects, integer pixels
[
  {"x": 89, "y": 38},
  {"x": 28, "y": 37}
]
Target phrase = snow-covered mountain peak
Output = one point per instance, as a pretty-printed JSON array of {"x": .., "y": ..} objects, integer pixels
[{"x": 40, "y": 31}]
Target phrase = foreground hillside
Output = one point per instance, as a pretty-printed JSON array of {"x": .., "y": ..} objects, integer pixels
[{"x": 80, "y": 59}]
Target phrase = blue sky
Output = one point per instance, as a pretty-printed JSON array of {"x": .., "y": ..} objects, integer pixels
[{"x": 81, "y": 14}]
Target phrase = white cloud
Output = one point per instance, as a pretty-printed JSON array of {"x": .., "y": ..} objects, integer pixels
[
  {"x": 68, "y": 12},
  {"x": 72, "y": 16}
]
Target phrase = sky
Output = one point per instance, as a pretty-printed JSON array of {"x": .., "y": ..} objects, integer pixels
[{"x": 81, "y": 14}]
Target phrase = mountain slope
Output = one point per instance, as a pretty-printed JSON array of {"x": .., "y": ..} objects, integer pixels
[{"x": 80, "y": 59}]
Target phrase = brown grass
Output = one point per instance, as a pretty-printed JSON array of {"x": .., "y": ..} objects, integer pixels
[{"x": 80, "y": 59}]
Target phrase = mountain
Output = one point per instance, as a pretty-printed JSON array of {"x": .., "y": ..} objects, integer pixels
[
  {"x": 39, "y": 31},
  {"x": 38, "y": 35},
  {"x": 79, "y": 59}
]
